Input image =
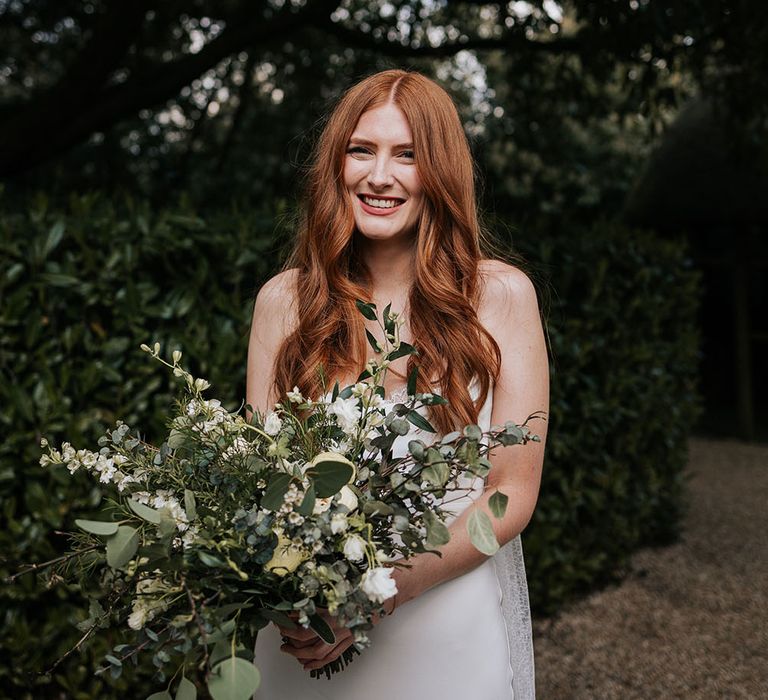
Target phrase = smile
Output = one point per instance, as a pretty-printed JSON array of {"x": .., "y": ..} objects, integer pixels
[{"x": 380, "y": 206}]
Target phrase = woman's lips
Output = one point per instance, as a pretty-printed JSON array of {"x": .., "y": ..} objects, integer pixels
[{"x": 378, "y": 211}]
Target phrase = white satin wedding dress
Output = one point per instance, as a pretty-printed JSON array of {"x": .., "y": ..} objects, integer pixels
[{"x": 465, "y": 639}]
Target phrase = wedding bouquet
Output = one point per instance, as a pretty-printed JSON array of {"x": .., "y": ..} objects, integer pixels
[{"x": 231, "y": 523}]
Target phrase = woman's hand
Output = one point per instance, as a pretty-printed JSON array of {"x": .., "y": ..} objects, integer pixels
[{"x": 310, "y": 650}]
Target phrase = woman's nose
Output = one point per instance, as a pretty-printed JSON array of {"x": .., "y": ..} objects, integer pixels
[{"x": 380, "y": 173}]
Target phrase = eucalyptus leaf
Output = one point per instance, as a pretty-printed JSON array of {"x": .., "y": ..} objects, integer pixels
[
  {"x": 473, "y": 432},
  {"x": 308, "y": 502},
  {"x": 323, "y": 629},
  {"x": 122, "y": 546},
  {"x": 419, "y": 421},
  {"x": 401, "y": 351},
  {"x": 276, "y": 489},
  {"x": 437, "y": 532},
  {"x": 233, "y": 679},
  {"x": 372, "y": 507},
  {"x": 186, "y": 690},
  {"x": 372, "y": 341},
  {"x": 97, "y": 527},
  {"x": 481, "y": 532},
  {"x": 412, "y": 377},
  {"x": 498, "y": 503},
  {"x": 329, "y": 476},
  {"x": 368, "y": 310},
  {"x": 190, "y": 506},
  {"x": 145, "y": 512}
]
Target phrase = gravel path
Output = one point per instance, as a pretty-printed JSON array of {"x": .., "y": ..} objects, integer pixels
[{"x": 691, "y": 620}]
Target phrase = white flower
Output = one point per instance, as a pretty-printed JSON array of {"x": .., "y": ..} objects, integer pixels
[
  {"x": 378, "y": 585},
  {"x": 347, "y": 412},
  {"x": 138, "y": 618},
  {"x": 239, "y": 446},
  {"x": 354, "y": 548},
  {"x": 338, "y": 523},
  {"x": 347, "y": 498},
  {"x": 272, "y": 424},
  {"x": 295, "y": 395},
  {"x": 321, "y": 505}
]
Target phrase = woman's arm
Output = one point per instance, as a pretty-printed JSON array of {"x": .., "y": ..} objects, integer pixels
[
  {"x": 510, "y": 311},
  {"x": 274, "y": 318}
]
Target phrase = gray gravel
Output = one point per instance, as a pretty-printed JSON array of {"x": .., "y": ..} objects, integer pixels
[{"x": 691, "y": 619}]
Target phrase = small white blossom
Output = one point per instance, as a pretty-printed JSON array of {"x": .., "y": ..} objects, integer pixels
[
  {"x": 354, "y": 548},
  {"x": 339, "y": 523},
  {"x": 272, "y": 424},
  {"x": 295, "y": 395},
  {"x": 378, "y": 585},
  {"x": 347, "y": 412},
  {"x": 347, "y": 498}
]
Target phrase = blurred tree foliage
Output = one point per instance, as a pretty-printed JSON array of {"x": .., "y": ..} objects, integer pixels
[{"x": 222, "y": 98}]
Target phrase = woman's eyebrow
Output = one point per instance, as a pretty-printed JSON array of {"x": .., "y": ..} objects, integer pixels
[{"x": 366, "y": 142}]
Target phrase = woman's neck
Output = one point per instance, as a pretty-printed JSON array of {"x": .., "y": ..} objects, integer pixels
[{"x": 391, "y": 266}]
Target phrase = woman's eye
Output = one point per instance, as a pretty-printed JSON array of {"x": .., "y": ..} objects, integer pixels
[
  {"x": 407, "y": 154},
  {"x": 357, "y": 149}
]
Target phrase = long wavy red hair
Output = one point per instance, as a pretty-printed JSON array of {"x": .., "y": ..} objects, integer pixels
[{"x": 453, "y": 345}]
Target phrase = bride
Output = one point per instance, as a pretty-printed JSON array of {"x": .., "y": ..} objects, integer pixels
[{"x": 389, "y": 215}]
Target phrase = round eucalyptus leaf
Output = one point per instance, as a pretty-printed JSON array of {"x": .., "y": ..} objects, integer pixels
[
  {"x": 233, "y": 679},
  {"x": 97, "y": 527}
]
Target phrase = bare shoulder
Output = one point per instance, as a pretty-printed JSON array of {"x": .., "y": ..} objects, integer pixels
[
  {"x": 276, "y": 301},
  {"x": 505, "y": 289}
]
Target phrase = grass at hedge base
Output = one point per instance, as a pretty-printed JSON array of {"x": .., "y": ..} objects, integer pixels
[{"x": 82, "y": 286}]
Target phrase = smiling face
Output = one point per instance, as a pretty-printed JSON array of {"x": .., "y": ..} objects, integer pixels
[{"x": 381, "y": 177}]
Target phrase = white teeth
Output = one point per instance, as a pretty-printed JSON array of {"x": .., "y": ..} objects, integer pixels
[{"x": 381, "y": 203}]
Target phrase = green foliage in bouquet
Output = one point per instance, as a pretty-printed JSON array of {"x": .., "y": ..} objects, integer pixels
[{"x": 233, "y": 523}]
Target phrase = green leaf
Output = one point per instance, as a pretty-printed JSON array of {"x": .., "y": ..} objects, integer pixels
[
  {"x": 190, "y": 506},
  {"x": 481, "y": 532},
  {"x": 401, "y": 351},
  {"x": 145, "y": 512},
  {"x": 221, "y": 650},
  {"x": 412, "y": 377},
  {"x": 498, "y": 503},
  {"x": 368, "y": 310},
  {"x": 162, "y": 695},
  {"x": 329, "y": 476},
  {"x": 437, "y": 532},
  {"x": 473, "y": 432},
  {"x": 419, "y": 421},
  {"x": 212, "y": 561},
  {"x": 278, "y": 617},
  {"x": 373, "y": 507},
  {"x": 122, "y": 546},
  {"x": 323, "y": 629},
  {"x": 372, "y": 341},
  {"x": 97, "y": 527},
  {"x": 186, "y": 690},
  {"x": 418, "y": 449},
  {"x": 276, "y": 489},
  {"x": 176, "y": 439},
  {"x": 308, "y": 502},
  {"x": 233, "y": 679}
]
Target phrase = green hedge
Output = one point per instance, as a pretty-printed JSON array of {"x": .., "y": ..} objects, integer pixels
[
  {"x": 83, "y": 285},
  {"x": 624, "y": 397}
]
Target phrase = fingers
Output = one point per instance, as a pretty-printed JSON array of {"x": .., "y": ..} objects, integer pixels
[
  {"x": 332, "y": 655},
  {"x": 317, "y": 650}
]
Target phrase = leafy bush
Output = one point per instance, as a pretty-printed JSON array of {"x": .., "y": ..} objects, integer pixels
[
  {"x": 82, "y": 286},
  {"x": 625, "y": 343}
]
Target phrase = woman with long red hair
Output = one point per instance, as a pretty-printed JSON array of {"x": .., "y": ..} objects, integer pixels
[{"x": 389, "y": 215}]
